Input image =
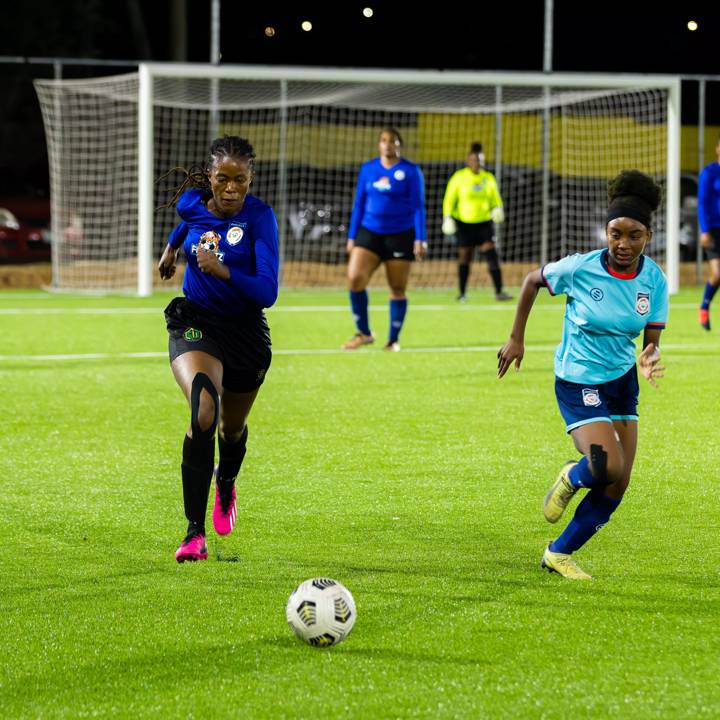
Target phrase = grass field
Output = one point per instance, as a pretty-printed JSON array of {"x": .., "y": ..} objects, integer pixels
[{"x": 416, "y": 479}]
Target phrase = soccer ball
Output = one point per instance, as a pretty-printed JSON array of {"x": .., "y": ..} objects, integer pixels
[{"x": 321, "y": 612}]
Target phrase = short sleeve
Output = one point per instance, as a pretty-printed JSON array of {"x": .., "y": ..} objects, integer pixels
[
  {"x": 658, "y": 316},
  {"x": 558, "y": 276}
]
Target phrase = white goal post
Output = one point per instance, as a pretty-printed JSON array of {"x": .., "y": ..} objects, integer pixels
[{"x": 552, "y": 140}]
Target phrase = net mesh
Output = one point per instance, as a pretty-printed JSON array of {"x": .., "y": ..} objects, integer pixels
[{"x": 310, "y": 139}]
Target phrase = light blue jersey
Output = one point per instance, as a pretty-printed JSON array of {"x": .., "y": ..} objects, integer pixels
[{"x": 605, "y": 312}]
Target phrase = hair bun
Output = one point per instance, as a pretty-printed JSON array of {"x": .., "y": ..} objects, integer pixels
[{"x": 635, "y": 184}]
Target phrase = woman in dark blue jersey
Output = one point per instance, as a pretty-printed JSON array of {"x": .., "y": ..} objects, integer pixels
[
  {"x": 387, "y": 225},
  {"x": 219, "y": 340}
]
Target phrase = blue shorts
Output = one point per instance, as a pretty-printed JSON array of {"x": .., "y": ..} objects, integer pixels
[{"x": 583, "y": 404}]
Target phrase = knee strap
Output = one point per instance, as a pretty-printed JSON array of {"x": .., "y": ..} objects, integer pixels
[
  {"x": 598, "y": 464},
  {"x": 202, "y": 382}
]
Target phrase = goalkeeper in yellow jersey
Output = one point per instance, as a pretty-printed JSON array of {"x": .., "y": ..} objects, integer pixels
[{"x": 471, "y": 206}]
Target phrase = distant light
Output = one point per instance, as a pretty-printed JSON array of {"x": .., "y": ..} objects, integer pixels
[
  {"x": 269, "y": 31},
  {"x": 306, "y": 26},
  {"x": 692, "y": 26},
  {"x": 368, "y": 12}
]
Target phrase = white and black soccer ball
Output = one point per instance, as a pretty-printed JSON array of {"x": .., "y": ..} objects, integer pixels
[{"x": 321, "y": 612}]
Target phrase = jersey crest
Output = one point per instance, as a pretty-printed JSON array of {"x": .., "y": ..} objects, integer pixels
[
  {"x": 642, "y": 303},
  {"x": 234, "y": 235}
]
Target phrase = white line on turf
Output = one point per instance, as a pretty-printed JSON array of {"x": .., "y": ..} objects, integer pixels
[
  {"x": 321, "y": 351},
  {"x": 297, "y": 309}
]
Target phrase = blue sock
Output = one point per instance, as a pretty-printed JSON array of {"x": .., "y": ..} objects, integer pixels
[
  {"x": 359, "y": 305},
  {"x": 708, "y": 295},
  {"x": 580, "y": 475},
  {"x": 592, "y": 513},
  {"x": 398, "y": 308}
]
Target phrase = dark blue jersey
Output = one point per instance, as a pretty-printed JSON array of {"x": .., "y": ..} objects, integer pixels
[
  {"x": 246, "y": 243},
  {"x": 709, "y": 198},
  {"x": 389, "y": 200}
]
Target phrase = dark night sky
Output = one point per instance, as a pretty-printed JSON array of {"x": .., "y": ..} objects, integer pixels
[{"x": 612, "y": 36}]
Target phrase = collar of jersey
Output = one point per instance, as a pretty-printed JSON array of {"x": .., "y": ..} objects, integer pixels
[{"x": 621, "y": 276}]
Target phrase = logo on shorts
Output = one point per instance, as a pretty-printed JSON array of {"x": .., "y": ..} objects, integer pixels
[
  {"x": 642, "y": 303},
  {"x": 192, "y": 335},
  {"x": 591, "y": 397},
  {"x": 234, "y": 235},
  {"x": 399, "y": 174},
  {"x": 597, "y": 294},
  {"x": 261, "y": 374}
]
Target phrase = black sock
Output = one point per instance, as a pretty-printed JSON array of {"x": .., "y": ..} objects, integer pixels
[
  {"x": 231, "y": 457},
  {"x": 463, "y": 274},
  {"x": 493, "y": 262},
  {"x": 197, "y": 470}
]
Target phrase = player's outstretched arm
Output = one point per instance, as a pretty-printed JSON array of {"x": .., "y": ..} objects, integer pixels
[
  {"x": 649, "y": 358},
  {"x": 166, "y": 266},
  {"x": 514, "y": 348}
]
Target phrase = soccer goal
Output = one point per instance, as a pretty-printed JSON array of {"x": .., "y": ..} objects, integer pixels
[{"x": 552, "y": 140}]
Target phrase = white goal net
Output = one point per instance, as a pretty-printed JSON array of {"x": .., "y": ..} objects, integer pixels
[{"x": 552, "y": 142}]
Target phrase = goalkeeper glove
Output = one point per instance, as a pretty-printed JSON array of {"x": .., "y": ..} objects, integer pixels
[
  {"x": 449, "y": 227},
  {"x": 498, "y": 214}
]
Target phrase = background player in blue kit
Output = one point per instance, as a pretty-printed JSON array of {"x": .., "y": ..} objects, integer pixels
[
  {"x": 612, "y": 295},
  {"x": 709, "y": 221},
  {"x": 219, "y": 340},
  {"x": 387, "y": 225}
]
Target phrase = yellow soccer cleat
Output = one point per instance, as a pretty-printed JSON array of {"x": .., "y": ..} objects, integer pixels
[
  {"x": 563, "y": 565},
  {"x": 560, "y": 494}
]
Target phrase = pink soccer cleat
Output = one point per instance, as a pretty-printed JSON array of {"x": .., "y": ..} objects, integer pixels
[
  {"x": 192, "y": 548},
  {"x": 225, "y": 510}
]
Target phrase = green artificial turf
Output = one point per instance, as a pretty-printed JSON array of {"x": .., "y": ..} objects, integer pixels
[{"x": 414, "y": 478}]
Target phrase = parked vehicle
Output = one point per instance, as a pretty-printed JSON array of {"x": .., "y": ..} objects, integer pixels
[{"x": 21, "y": 243}]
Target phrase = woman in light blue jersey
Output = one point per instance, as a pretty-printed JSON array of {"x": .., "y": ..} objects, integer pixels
[
  {"x": 387, "y": 225},
  {"x": 219, "y": 341},
  {"x": 613, "y": 295}
]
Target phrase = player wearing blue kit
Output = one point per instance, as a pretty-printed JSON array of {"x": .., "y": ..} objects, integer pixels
[
  {"x": 387, "y": 225},
  {"x": 219, "y": 341},
  {"x": 709, "y": 221},
  {"x": 613, "y": 295}
]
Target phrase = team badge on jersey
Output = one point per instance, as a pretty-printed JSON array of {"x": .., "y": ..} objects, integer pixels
[
  {"x": 399, "y": 174},
  {"x": 591, "y": 397},
  {"x": 234, "y": 235},
  {"x": 209, "y": 242},
  {"x": 382, "y": 183},
  {"x": 642, "y": 303}
]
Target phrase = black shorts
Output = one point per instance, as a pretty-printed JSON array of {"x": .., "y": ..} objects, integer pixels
[
  {"x": 241, "y": 344},
  {"x": 713, "y": 252},
  {"x": 398, "y": 246},
  {"x": 472, "y": 234}
]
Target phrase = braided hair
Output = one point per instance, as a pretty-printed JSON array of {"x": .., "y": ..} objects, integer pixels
[{"x": 196, "y": 176}]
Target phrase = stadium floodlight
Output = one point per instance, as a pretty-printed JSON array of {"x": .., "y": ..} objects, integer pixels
[{"x": 109, "y": 138}]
